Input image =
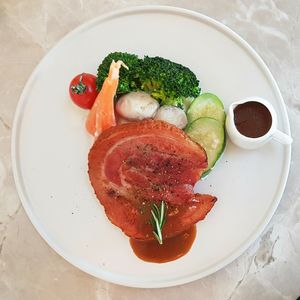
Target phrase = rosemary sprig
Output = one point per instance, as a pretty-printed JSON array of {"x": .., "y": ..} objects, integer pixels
[{"x": 158, "y": 220}]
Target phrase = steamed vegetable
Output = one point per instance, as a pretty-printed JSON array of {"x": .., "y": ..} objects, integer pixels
[
  {"x": 206, "y": 105},
  {"x": 187, "y": 103},
  {"x": 102, "y": 114},
  {"x": 206, "y": 117},
  {"x": 210, "y": 134},
  {"x": 127, "y": 80},
  {"x": 172, "y": 115},
  {"x": 137, "y": 106},
  {"x": 168, "y": 82}
]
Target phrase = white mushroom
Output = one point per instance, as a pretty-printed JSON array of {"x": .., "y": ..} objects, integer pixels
[
  {"x": 172, "y": 115},
  {"x": 137, "y": 106}
]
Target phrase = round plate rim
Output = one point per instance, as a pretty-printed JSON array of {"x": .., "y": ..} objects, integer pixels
[{"x": 109, "y": 276}]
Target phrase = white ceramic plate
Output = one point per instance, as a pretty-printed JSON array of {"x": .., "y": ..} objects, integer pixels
[{"x": 50, "y": 147}]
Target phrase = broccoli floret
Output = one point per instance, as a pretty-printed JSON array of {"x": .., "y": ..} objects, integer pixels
[
  {"x": 127, "y": 80},
  {"x": 167, "y": 81}
]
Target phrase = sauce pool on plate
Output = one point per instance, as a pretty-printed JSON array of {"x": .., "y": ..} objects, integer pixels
[
  {"x": 252, "y": 119},
  {"x": 171, "y": 249}
]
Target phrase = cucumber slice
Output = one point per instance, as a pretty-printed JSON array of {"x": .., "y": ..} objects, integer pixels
[
  {"x": 210, "y": 134},
  {"x": 206, "y": 105},
  {"x": 187, "y": 103}
]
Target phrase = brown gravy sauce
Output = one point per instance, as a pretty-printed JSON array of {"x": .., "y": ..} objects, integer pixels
[
  {"x": 171, "y": 249},
  {"x": 252, "y": 119}
]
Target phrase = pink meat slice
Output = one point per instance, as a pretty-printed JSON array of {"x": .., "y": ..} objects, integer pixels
[{"x": 134, "y": 165}]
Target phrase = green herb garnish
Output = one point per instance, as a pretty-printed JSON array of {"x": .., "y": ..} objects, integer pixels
[
  {"x": 158, "y": 220},
  {"x": 80, "y": 87}
]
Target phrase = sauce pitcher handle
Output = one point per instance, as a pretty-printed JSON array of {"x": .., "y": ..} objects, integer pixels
[{"x": 281, "y": 137}]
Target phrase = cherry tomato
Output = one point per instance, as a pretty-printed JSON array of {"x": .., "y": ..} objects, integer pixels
[{"x": 83, "y": 90}]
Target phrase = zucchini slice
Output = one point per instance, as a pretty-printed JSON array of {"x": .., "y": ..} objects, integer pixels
[
  {"x": 206, "y": 105},
  {"x": 210, "y": 134}
]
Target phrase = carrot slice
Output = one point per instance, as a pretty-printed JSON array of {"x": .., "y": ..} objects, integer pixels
[{"x": 102, "y": 115}]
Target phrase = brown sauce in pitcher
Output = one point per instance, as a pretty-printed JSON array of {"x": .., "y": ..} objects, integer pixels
[
  {"x": 252, "y": 119},
  {"x": 171, "y": 249}
]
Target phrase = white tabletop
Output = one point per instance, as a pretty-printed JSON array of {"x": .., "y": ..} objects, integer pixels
[{"x": 30, "y": 269}]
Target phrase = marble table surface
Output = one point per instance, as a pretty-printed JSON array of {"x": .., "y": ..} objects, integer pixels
[{"x": 30, "y": 269}]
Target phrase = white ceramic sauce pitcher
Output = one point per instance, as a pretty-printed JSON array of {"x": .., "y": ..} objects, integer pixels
[{"x": 253, "y": 143}]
